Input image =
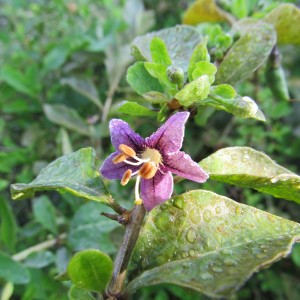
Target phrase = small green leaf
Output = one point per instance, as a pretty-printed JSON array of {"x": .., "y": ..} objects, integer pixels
[
  {"x": 141, "y": 81},
  {"x": 85, "y": 87},
  {"x": 246, "y": 167},
  {"x": 76, "y": 293},
  {"x": 174, "y": 38},
  {"x": 200, "y": 53},
  {"x": 13, "y": 271},
  {"x": 75, "y": 173},
  {"x": 39, "y": 260},
  {"x": 285, "y": 18},
  {"x": 55, "y": 58},
  {"x": 194, "y": 91},
  {"x": 223, "y": 90},
  {"x": 134, "y": 109},
  {"x": 8, "y": 224},
  {"x": 205, "y": 68},
  {"x": 90, "y": 270},
  {"x": 209, "y": 243},
  {"x": 44, "y": 213},
  {"x": 156, "y": 97},
  {"x": 159, "y": 71},
  {"x": 247, "y": 54},
  {"x": 67, "y": 117},
  {"x": 159, "y": 52}
]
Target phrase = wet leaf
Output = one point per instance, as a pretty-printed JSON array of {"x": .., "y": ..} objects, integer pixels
[
  {"x": 286, "y": 19},
  {"x": 67, "y": 117},
  {"x": 247, "y": 54},
  {"x": 134, "y": 109},
  {"x": 91, "y": 270},
  {"x": 75, "y": 173},
  {"x": 208, "y": 243},
  {"x": 247, "y": 167},
  {"x": 174, "y": 38}
]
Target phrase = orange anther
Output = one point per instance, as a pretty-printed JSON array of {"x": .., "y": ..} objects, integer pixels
[
  {"x": 127, "y": 150},
  {"x": 148, "y": 170},
  {"x": 126, "y": 177},
  {"x": 119, "y": 158}
]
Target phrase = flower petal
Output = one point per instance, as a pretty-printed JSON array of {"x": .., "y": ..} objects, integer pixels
[
  {"x": 111, "y": 170},
  {"x": 156, "y": 190},
  {"x": 168, "y": 138},
  {"x": 182, "y": 165},
  {"x": 121, "y": 133}
]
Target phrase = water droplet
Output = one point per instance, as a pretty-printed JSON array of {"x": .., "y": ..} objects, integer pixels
[
  {"x": 274, "y": 180},
  {"x": 207, "y": 215},
  {"x": 217, "y": 269},
  {"x": 194, "y": 215},
  {"x": 179, "y": 203},
  {"x": 206, "y": 276},
  {"x": 218, "y": 209},
  {"x": 238, "y": 210},
  {"x": 191, "y": 236},
  {"x": 230, "y": 262},
  {"x": 192, "y": 252}
]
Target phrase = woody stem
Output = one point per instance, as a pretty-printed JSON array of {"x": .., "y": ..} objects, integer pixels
[{"x": 122, "y": 259}]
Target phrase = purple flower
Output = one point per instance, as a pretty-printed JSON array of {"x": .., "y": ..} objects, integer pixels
[{"x": 151, "y": 160}]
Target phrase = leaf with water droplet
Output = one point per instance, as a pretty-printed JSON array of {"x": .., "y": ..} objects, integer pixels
[
  {"x": 213, "y": 251},
  {"x": 247, "y": 54},
  {"x": 247, "y": 167},
  {"x": 76, "y": 173}
]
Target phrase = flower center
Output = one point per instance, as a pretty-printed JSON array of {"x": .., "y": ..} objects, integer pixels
[{"x": 149, "y": 160}]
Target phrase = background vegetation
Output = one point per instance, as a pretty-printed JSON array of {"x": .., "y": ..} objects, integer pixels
[{"x": 62, "y": 78}]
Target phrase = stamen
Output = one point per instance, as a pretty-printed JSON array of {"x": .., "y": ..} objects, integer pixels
[
  {"x": 126, "y": 177},
  {"x": 119, "y": 158},
  {"x": 127, "y": 150},
  {"x": 148, "y": 170},
  {"x": 138, "y": 200}
]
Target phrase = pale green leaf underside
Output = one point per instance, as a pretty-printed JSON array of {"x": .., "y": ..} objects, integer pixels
[
  {"x": 247, "y": 167},
  {"x": 75, "y": 173},
  {"x": 209, "y": 243},
  {"x": 174, "y": 39}
]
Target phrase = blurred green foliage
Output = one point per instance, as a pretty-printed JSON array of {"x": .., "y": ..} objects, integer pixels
[{"x": 62, "y": 77}]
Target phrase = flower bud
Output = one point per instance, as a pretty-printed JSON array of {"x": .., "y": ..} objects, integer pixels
[{"x": 176, "y": 75}]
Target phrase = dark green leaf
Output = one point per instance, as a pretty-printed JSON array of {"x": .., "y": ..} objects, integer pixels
[
  {"x": 159, "y": 52},
  {"x": 141, "y": 81},
  {"x": 90, "y": 270},
  {"x": 8, "y": 225},
  {"x": 12, "y": 271},
  {"x": 44, "y": 213},
  {"x": 134, "y": 109},
  {"x": 247, "y": 54},
  {"x": 39, "y": 260},
  {"x": 246, "y": 167},
  {"x": 174, "y": 38},
  {"x": 76, "y": 293},
  {"x": 55, "y": 58},
  {"x": 67, "y": 117},
  {"x": 208, "y": 243},
  {"x": 75, "y": 173}
]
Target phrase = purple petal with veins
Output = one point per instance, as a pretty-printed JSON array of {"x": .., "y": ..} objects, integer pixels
[
  {"x": 182, "y": 165},
  {"x": 168, "y": 138},
  {"x": 121, "y": 133},
  {"x": 156, "y": 190}
]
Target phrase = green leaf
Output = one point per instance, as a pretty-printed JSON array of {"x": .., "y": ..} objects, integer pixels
[
  {"x": 13, "y": 271},
  {"x": 209, "y": 243},
  {"x": 285, "y": 18},
  {"x": 205, "y": 68},
  {"x": 76, "y": 293},
  {"x": 55, "y": 58},
  {"x": 67, "y": 117},
  {"x": 156, "y": 97},
  {"x": 159, "y": 52},
  {"x": 243, "y": 107},
  {"x": 239, "y": 8},
  {"x": 247, "y": 54},
  {"x": 75, "y": 173},
  {"x": 44, "y": 213},
  {"x": 174, "y": 38},
  {"x": 159, "y": 71},
  {"x": 85, "y": 87},
  {"x": 8, "y": 228},
  {"x": 39, "y": 260},
  {"x": 223, "y": 90},
  {"x": 90, "y": 270},
  {"x": 141, "y": 81},
  {"x": 89, "y": 229},
  {"x": 194, "y": 91},
  {"x": 246, "y": 167},
  {"x": 17, "y": 80},
  {"x": 134, "y": 109},
  {"x": 200, "y": 53},
  {"x": 203, "y": 11}
]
